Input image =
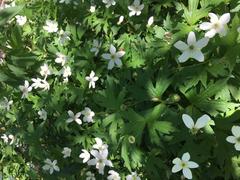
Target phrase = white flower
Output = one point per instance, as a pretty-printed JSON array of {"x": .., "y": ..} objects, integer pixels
[
  {"x": 235, "y": 139},
  {"x": 120, "y": 20},
  {"x": 51, "y": 26},
  {"x": 113, "y": 57},
  {"x": 113, "y": 175},
  {"x": 90, "y": 176},
  {"x": 66, "y": 152},
  {"x": 61, "y": 58},
  {"x": 25, "y": 89},
  {"x": 88, "y": 115},
  {"x": 84, "y": 155},
  {"x": 216, "y": 25},
  {"x": 9, "y": 139},
  {"x": 6, "y": 104},
  {"x": 92, "y": 8},
  {"x": 135, "y": 8},
  {"x": 96, "y": 46},
  {"x": 109, "y": 3},
  {"x": 100, "y": 145},
  {"x": 150, "y": 21},
  {"x": 45, "y": 71},
  {"x": 50, "y": 166},
  {"x": 92, "y": 79},
  {"x": 39, "y": 83},
  {"x": 192, "y": 49},
  {"x": 100, "y": 160},
  {"x": 65, "y": 1},
  {"x": 185, "y": 165},
  {"x": 21, "y": 20},
  {"x": 42, "y": 114},
  {"x": 133, "y": 176},
  {"x": 201, "y": 122},
  {"x": 64, "y": 37},
  {"x": 73, "y": 117},
  {"x": 66, "y": 71}
]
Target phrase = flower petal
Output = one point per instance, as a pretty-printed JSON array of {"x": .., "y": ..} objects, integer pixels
[
  {"x": 176, "y": 168},
  {"x": 188, "y": 121},
  {"x": 205, "y": 26},
  {"x": 231, "y": 139},
  {"x": 120, "y": 53},
  {"x": 106, "y": 56},
  {"x": 202, "y": 121},
  {"x": 187, "y": 173},
  {"x": 181, "y": 45},
  {"x": 118, "y": 62},
  {"x": 186, "y": 156},
  {"x": 236, "y": 131},
  {"x": 191, "y": 38},
  {"x": 202, "y": 43},
  {"x": 198, "y": 55},
  {"x": 92, "y": 162},
  {"x": 184, "y": 57},
  {"x": 225, "y": 18},
  {"x": 211, "y": 33},
  {"x": 176, "y": 161},
  {"x": 110, "y": 64},
  {"x": 213, "y": 17},
  {"x": 237, "y": 146},
  {"x": 192, "y": 164},
  {"x": 112, "y": 49}
]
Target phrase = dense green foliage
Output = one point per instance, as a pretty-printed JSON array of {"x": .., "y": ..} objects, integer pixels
[{"x": 138, "y": 107}]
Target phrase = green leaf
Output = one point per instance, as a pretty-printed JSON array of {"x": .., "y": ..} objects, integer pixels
[{"x": 7, "y": 13}]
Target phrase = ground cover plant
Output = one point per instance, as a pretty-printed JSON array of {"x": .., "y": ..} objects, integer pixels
[{"x": 119, "y": 89}]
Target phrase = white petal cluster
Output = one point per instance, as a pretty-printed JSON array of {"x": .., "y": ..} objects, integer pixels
[
  {"x": 109, "y": 3},
  {"x": 64, "y": 37},
  {"x": 136, "y": 8},
  {"x": 40, "y": 83},
  {"x": 92, "y": 79},
  {"x": 51, "y": 26},
  {"x": 194, "y": 127},
  {"x": 235, "y": 139},
  {"x": 61, "y": 58},
  {"x": 6, "y": 104},
  {"x": 21, "y": 20},
  {"x": 133, "y": 176},
  {"x": 74, "y": 117},
  {"x": 192, "y": 49},
  {"x": 88, "y": 115},
  {"x": 25, "y": 89},
  {"x": 113, "y": 57},
  {"x": 42, "y": 114},
  {"x": 66, "y": 152},
  {"x": 113, "y": 175},
  {"x": 8, "y": 139},
  {"x": 50, "y": 166},
  {"x": 45, "y": 71},
  {"x": 216, "y": 25},
  {"x": 185, "y": 165}
]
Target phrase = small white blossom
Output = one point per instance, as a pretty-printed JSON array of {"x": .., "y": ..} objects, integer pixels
[
  {"x": 96, "y": 46},
  {"x": 150, "y": 21},
  {"x": 66, "y": 152},
  {"x": 92, "y": 79},
  {"x": 85, "y": 155},
  {"x": 109, "y": 3},
  {"x": 42, "y": 114},
  {"x": 100, "y": 160},
  {"x": 39, "y": 83},
  {"x": 88, "y": 115},
  {"x": 73, "y": 117},
  {"x": 50, "y": 166},
  {"x": 113, "y": 175},
  {"x": 235, "y": 139},
  {"x": 51, "y": 26},
  {"x": 90, "y": 176},
  {"x": 113, "y": 57},
  {"x": 61, "y": 58},
  {"x": 120, "y": 20},
  {"x": 194, "y": 127},
  {"x": 66, "y": 71},
  {"x": 133, "y": 176},
  {"x": 216, "y": 25},
  {"x": 25, "y": 89},
  {"x": 9, "y": 139},
  {"x": 192, "y": 49},
  {"x": 135, "y": 8},
  {"x": 64, "y": 37},
  {"x": 92, "y": 8},
  {"x": 45, "y": 71},
  {"x": 6, "y": 104},
  {"x": 185, "y": 165},
  {"x": 21, "y": 20}
]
